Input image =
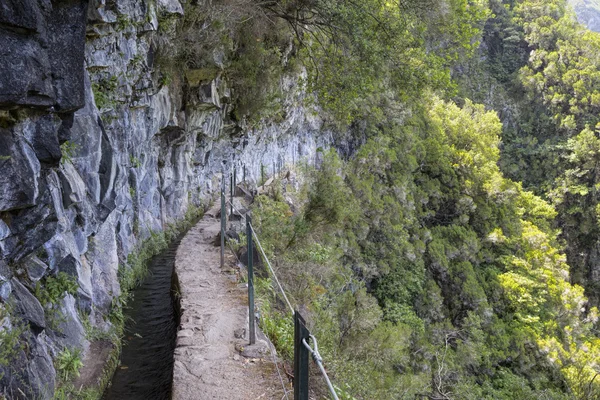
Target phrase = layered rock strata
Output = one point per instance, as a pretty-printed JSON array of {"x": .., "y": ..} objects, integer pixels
[{"x": 98, "y": 149}]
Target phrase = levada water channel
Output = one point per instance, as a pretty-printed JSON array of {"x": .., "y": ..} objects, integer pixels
[{"x": 146, "y": 369}]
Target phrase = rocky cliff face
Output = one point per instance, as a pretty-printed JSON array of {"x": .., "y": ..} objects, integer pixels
[
  {"x": 588, "y": 13},
  {"x": 97, "y": 149}
]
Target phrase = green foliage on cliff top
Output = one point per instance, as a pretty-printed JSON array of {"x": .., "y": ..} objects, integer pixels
[
  {"x": 357, "y": 55},
  {"x": 360, "y": 54}
]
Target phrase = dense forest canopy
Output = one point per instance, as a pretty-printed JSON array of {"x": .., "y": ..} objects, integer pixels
[{"x": 453, "y": 256}]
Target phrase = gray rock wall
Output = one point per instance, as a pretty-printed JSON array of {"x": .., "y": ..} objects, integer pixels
[{"x": 96, "y": 151}]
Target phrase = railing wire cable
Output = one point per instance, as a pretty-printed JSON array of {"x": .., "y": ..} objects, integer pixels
[
  {"x": 319, "y": 361},
  {"x": 268, "y": 263},
  {"x": 285, "y": 391},
  {"x": 316, "y": 356},
  {"x": 272, "y": 271}
]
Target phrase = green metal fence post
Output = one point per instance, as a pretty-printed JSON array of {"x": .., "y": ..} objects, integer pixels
[
  {"x": 300, "y": 358},
  {"x": 252, "y": 329},
  {"x": 223, "y": 218}
]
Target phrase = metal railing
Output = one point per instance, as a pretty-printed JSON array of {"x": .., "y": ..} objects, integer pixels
[{"x": 302, "y": 336}]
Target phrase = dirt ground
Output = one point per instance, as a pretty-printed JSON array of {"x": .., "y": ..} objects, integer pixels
[
  {"x": 214, "y": 311},
  {"x": 94, "y": 362}
]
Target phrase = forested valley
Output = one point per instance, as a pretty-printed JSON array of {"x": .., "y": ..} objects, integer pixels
[{"x": 454, "y": 254}]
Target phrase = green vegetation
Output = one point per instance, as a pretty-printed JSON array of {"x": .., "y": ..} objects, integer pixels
[
  {"x": 100, "y": 97},
  {"x": 68, "y": 363},
  {"x": 544, "y": 70},
  {"x": 279, "y": 327},
  {"x": 53, "y": 288},
  {"x": 359, "y": 54},
  {"x": 135, "y": 162},
  {"x": 104, "y": 92},
  {"x": 66, "y": 392},
  {"x": 68, "y": 150},
  {"x": 165, "y": 79},
  {"x": 7, "y": 119},
  {"x": 123, "y": 22},
  {"x": 50, "y": 291},
  {"x": 137, "y": 60},
  {"x": 356, "y": 54},
  {"x": 427, "y": 273},
  {"x": 11, "y": 329},
  {"x": 136, "y": 268}
]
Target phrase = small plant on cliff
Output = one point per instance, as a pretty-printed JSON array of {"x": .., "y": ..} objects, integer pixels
[
  {"x": 104, "y": 90},
  {"x": 100, "y": 97},
  {"x": 92, "y": 332},
  {"x": 68, "y": 391},
  {"x": 165, "y": 79},
  {"x": 68, "y": 150},
  {"x": 277, "y": 326},
  {"x": 123, "y": 22},
  {"x": 68, "y": 363},
  {"x": 135, "y": 162},
  {"x": 137, "y": 60},
  {"x": 52, "y": 289},
  {"x": 50, "y": 292},
  {"x": 10, "y": 330}
]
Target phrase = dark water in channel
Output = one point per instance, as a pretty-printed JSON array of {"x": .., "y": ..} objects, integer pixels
[{"x": 146, "y": 369}]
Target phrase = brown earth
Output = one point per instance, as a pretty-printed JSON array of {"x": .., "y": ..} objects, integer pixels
[{"x": 214, "y": 311}]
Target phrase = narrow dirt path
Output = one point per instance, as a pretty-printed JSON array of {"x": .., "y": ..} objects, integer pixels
[{"x": 214, "y": 309}]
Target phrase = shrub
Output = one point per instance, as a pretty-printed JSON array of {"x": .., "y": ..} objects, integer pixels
[
  {"x": 68, "y": 363},
  {"x": 10, "y": 331},
  {"x": 68, "y": 150},
  {"x": 52, "y": 289}
]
